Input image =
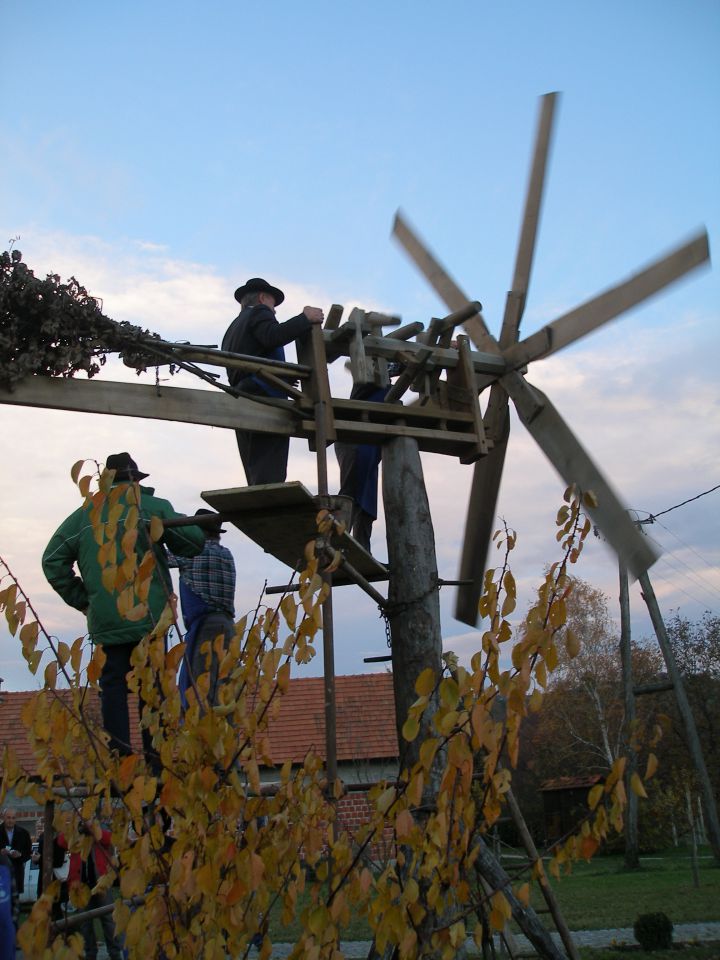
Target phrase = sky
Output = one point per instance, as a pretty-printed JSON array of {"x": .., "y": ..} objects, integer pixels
[{"x": 163, "y": 153}]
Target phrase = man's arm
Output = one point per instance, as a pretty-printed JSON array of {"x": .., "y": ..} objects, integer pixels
[
  {"x": 58, "y": 562},
  {"x": 269, "y": 333}
]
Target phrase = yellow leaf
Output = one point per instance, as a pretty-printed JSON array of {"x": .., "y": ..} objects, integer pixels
[
  {"x": 523, "y": 894},
  {"x": 75, "y": 470},
  {"x": 572, "y": 643},
  {"x": 410, "y": 729},
  {"x": 636, "y": 785},
  {"x": 385, "y": 800},
  {"x": 51, "y": 674},
  {"x": 595, "y": 795},
  {"x": 157, "y": 529},
  {"x": 651, "y": 766},
  {"x": 425, "y": 683}
]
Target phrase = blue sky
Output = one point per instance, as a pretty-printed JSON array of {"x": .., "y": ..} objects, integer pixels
[{"x": 165, "y": 152}]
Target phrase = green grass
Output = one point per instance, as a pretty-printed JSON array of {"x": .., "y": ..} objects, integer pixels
[
  {"x": 602, "y": 894},
  {"x": 705, "y": 951}
]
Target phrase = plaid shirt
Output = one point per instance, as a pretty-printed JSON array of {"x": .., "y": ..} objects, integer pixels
[{"x": 211, "y": 575}]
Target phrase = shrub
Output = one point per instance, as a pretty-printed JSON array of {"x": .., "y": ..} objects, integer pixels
[{"x": 653, "y": 931}]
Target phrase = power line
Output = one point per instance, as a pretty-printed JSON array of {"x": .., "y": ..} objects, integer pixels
[{"x": 653, "y": 516}]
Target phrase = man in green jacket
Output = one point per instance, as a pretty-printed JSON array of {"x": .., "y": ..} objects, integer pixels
[{"x": 73, "y": 544}]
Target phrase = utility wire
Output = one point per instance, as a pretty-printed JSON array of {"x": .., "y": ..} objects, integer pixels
[{"x": 653, "y": 516}]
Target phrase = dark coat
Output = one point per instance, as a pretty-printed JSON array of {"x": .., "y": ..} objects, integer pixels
[
  {"x": 23, "y": 844},
  {"x": 256, "y": 333}
]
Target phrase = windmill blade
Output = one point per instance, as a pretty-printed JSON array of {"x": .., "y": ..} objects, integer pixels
[
  {"x": 441, "y": 282},
  {"x": 515, "y": 304},
  {"x": 479, "y": 526},
  {"x": 611, "y": 303},
  {"x": 573, "y": 463},
  {"x": 480, "y": 521}
]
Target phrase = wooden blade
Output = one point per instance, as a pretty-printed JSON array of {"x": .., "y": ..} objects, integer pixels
[
  {"x": 515, "y": 304},
  {"x": 611, "y": 303},
  {"x": 573, "y": 463},
  {"x": 441, "y": 282},
  {"x": 480, "y": 526}
]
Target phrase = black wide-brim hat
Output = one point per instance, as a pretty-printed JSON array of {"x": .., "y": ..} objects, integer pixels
[
  {"x": 214, "y": 528},
  {"x": 258, "y": 285},
  {"x": 125, "y": 467}
]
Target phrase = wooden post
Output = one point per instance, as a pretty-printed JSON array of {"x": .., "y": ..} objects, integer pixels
[
  {"x": 545, "y": 888},
  {"x": 632, "y": 860},
  {"x": 414, "y": 613},
  {"x": 413, "y": 600},
  {"x": 711, "y": 812}
]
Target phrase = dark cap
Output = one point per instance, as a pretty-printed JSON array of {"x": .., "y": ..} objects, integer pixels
[
  {"x": 258, "y": 285},
  {"x": 213, "y": 530},
  {"x": 124, "y": 466}
]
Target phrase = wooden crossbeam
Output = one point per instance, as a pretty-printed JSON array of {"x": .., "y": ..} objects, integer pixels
[{"x": 436, "y": 430}]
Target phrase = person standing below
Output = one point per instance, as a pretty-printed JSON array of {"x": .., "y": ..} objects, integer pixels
[
  {"x": 255, "y": 332},
  {"x": 207, "y": 600},
  {"x": 16, "y": 844},
  {"x": 9, "y": 907},
  {"x": 74, "y": 543},
  {"x": 89, "y": 872}
]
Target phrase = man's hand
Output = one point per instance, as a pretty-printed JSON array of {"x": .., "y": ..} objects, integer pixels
[{"x": 314, "y": 314}]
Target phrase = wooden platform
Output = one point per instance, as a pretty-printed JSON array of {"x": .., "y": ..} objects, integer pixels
[{"x": 280, "y": 518}]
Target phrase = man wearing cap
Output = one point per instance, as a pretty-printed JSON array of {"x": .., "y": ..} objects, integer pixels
[
  {"x": 255, "y": 332},
  {"x": 207, "y": 599},
  {"x": 73, "y": 544}
]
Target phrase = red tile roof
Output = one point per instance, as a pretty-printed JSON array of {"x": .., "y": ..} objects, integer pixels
[
  {"x": 365, "y": 720},
  {"x": 570, "y": 783}
]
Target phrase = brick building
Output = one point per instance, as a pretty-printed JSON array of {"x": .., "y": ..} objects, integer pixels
[{"x": 367, "y": 747}]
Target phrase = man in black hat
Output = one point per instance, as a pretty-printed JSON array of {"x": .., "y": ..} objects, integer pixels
[
  {"x": 73, "y": 545},
  {"x": 207, "y": 600},
  {"x": 255, "y": 332}
]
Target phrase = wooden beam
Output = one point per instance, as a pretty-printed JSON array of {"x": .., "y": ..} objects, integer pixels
[
  {"x": 209, "y": 407},
  {"x": 515, "y": 303},
  {"x": 447, "y": 357},
  {"x": 573, "y": 463},
  {"x": 611, "y": 303},
  {"x": 441, "y": 281}
]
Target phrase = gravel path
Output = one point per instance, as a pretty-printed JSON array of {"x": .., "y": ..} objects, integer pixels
[{"x": 682, "y": 932}]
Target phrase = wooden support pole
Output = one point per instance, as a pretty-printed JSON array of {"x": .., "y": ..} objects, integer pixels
[
  {"x": 547, "y": 891},
  {"x": 413, "y": 596},
  {"x": 709, "y": 802},
  {"x": 632, "y": 860}
]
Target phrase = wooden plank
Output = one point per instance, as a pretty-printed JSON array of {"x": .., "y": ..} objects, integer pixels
[
  {"x": 311, "y": 350},
  {"x": 388, "y": 347},
  {"x": 480, "y": 524},
  {"x": 573, "y": 463},
  {"x": 332, "y": 321},
  {"x": 466, "y": 376},
  {"x": 223, "y": 358},
  {"x": 217, "y": 409},
  {"x": 209, "y": 407},
  {"x": 441, "y": 281},
  {"x": 281, "y": 518},
  {"x": 515, "y": 303},
  {"x": 611, "y": 303}
]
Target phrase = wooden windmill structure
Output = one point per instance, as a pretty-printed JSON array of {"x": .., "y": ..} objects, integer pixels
[{"x": 448, "y": 373}]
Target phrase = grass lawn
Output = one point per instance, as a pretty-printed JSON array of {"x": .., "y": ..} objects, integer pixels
[
  {"x": 602, "y": 894},
  {"x": 706, "y": 951}
]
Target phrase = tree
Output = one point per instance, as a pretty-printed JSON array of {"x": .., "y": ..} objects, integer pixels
[{"x": 236, "y": 853}]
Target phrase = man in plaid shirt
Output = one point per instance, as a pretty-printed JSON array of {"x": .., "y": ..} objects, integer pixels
[{"x": 207, "y": 598}]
